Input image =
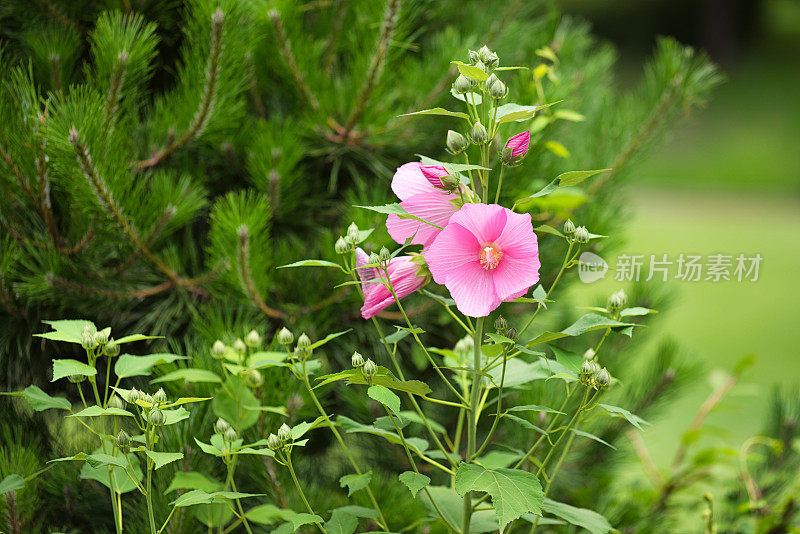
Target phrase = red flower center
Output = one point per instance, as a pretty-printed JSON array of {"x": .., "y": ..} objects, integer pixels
[{"x": 490, "y": 257}]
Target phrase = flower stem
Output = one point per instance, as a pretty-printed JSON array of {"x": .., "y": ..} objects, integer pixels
[
  {"x": 549, "y": 291},
  {"x": 472, "y": 418},
  {"x": 300, "y": 491}
]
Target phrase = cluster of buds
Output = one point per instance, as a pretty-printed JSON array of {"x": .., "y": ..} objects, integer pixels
[
  {"x": 501, "y": 327},
  {"x": 92, "y": 339},
  {"x": 617, "y": 300},
  {"x": 592, "y": 375},
  {"x": 303, "y": 348},
  {"x": 346, "y": 243},
  {"x": 280, "y": 440},
  {"x": 228, "y": 433},
  {"x": 485, "y": 56}
]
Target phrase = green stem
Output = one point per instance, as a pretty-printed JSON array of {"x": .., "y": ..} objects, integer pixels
[
  {"x": 499, "y": 185},
  {"x": 472, "y": 420},
  {"x": 148, "y": 495},
  {"x": 239, "y": 506},
  {"x": 549, "y": 291},
  {"x": 499, "y": 408},
  {"x": 300, "y": 491}
]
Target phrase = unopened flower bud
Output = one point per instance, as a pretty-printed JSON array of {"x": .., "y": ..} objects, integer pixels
[
  {"x": 285, "y": 336},
  {"x": 87, "y": 340},
  {"x": 589, "y": 354},
  {"x": 285, "y": 433},
  {"x": 588, "y": 370},
  {"x": 492, "y": 61},
  {"x": 76, "y": 379},
  {"x": 569, "y": 227},
  {"x": 617, "y": 300},
  {"x": 512, "y": 333},
  {"x": 602, "y": 379},
  {"x": 478, "y": 134},
  {"x": 384, "y": 255},
  {"x": 353, "y": 235},
  {"x": 101, "y": 337},
  {"x": 500, "y": 324},
  {"x": 273, "y": 443},
  {"x": 253, "y": 378},
  {"x": 374, "y": 259},
  {"x": 123, "y": 440},
  {"x": 116, "y": 402},
  {"x": 253, "y": 339},
  {"x": 370, "y": 369},
  {"x": 239, "y": 346},
  {"x": 507, "y": 156},
  {"x": 146, "y": 397},
  {"x": 495, "y": 87},
  {"x": 230, "y": 435},
  {"x": 342, "y": 246},
  {"x": 449, "y": 182},
  {"x": 134, "y": 395},
  {"x": 465, "y": 345},
  {"x": 112, "y": 349},
  {"x": 581, "y": 234},
  {"x": 357, "y": 360},
  {"x": 156, "y": 417},
  {"x": 462, "y": 84},
  {"x": 221, "y": 426},
  {"x": 218, "y": 350},
  {"x": 473, "y": 56},
  {"x": 160, "y": 396},
  {"x": 303, "y": 342},
  {"x": 456, "y": 143},
  {"x": 518, "y": 146},
  {"x": 484, "y": 54},
  {"x": 481, "y": 65}
]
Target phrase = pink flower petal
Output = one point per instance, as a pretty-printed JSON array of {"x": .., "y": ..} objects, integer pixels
[
  {"x": 434, "y": 173},
  {"x": 454, "y": 247},
  {"x": 408, "y": 180},
  {"x": 484, "y": 221},
  {"x": 404, "y": 276},
  {"x": 519, "y": 143},
  {"x": 434, "y": 206},
  {"x": 518, "y": 238},
  {"x": 473, "y": 290},
  {"x": 514, "y": 275}
]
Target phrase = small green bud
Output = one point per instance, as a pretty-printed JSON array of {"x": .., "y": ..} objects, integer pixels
[
  {"x": 484, "y": 54},
  {"x": 473, "y": 56},
  {"x": 507, "y": 156},
  {"x": 253, "y": 378},
  {"x": 569, "y": 227},
  {"x": 76, "y": 379},
  {"x": 384, "y": 255},
  {"x": 218, "y": 350},
  {"x": 116, "y": 402},
  {"x": 285, "y": 336},
  {"x": 481, "y": 65},
  {"x": 112, "y": 349},
  {"x": 512, "y": 333},
  {"x": 134, "y": 395},
  {"x": 123, "y": 441},
  {"x": 342, "y": 246},
  {"x": 478, "y": 134},
  {"x": 370, "y": 369},
  {"x": 87, "y": 340},
  {"x": 589, "y": 354},
  {"x": 357, "y": 360},
  {"x": 273, "y": 442},
  {"x": 230, "y": 435},
  {"x": 588, "y": 370},
  {"x": 581, "y": 234},
  {"x": 160, "y": 396},
  {"x": 602, "y": 379},
  {"x": 465, "y": 345},
  {"x": 500, "y": 324},
  {"x": 252, "y": 339},
  {"x": 617, "y": 300},
  {"x": 492, "y": 61},
  {"x": 156, "y": 417},
  {"x": 146, "y": 397},
  {"x": 285, "y": 433},
  {"x": 239, "y": 346},
  {"x": 374, "y": 259},
  {"x": 101, "y": 338},
  {"x": 221, "y": 426},
  {"x": 303, "y": 342},
  {"x": 450, "y": 183},
  {"x": 353, "y": 235},
  {"x": 456, "y": 143},
  {"x": 462, "y": 84}
]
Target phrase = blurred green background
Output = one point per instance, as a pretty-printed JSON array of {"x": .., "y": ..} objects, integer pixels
[{"x": 727, "y": 183}]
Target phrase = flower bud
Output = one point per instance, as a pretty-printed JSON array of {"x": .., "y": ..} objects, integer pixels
[
  {"x": 473, "y": 56},
  {"x": 134, "y": 395},
  {"x": 218, "y": 350},
  {"x": 341, "y": 246},
  {"x": 374, "y": 259},
  {"x": 160, "y": 396},
  {"x": 273, "y": 443},
  {"x": 456, "y": 143},
  {"x": 569, "y": 227},
  {"x": 589, "y": 354},
  {"x": 481, "y": 65},
  {"x": 101, "y": 338},
  {"x": 303, "y": 342},
  {"x": 252, "y": 339},
  {"x": 507, "y": 156},
  {"x": 156, "y": 417},
  {"x": 87, "y": 340},
  {"x": 112, "y": 349},
  {"x": 478, "y": 134},
  {"x": 462, "y": 84},
  {"x": 76, "y": 379},
  {"x": 500, "y": 324},
  {"x": 221, "y": 426},
  {"x": 602, "y": 379},
  {"x": 617, "y": 300},
  {"x": 116, "y": 402},
  {"x": 285, "y": 433},
  {"x": 353, "y": 235},
  {"x": 588, "y": 370},
  {"x": 581, "y": 234},
  {"x": 357, "y": 360},
  {"x": 253, "y": 378},
  {"x": 464, "y": 346},
  {"x": 146, "y": 397},
  {"x": 518, "y": 145},
  {"x": 498, "y": 90},
  {"x": 123, "y": 441},
  {"x": 450, "y": 183},
  {"x": 484, "y": 54},
  {"x": 370, "y": 369},
  {"x": 230, "y": 435},
  {"x": 239, "y": 346},
  {"x": 285, "y": 336},
  {"x": 384, "y": 255},
  {"x": 512, "y": 333}
]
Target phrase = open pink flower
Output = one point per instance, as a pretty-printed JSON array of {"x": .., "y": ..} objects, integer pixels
[
  {"x": 486, "y": 255},
  {"x": 519, "y": 144},
  {"x": 404, "y": 276},
  {"x": 420, "y": 195}
]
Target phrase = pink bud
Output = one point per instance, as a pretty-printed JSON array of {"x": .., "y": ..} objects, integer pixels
[
  {"x": 434, "y": 173},
  {"x": 519, "y": 144}
]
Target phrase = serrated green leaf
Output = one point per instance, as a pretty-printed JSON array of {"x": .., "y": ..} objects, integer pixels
[
  {"x": 190, "y": 480},
  {"x": 198, "y": 496},
  {"x": 40, "y": 401},
  {"x": 586, "y": 323},
  {"x": 161, "y": 459},
  {"x": 328, "y": 338},
  {"x": 128, "y": 365},
  {"x": 135, "y": 337},
  {"x": 69, "y": 367},
  {"x": 592, "y": 437},
  {"x": 304, "y": 519},
  {"x": 438, "y": 111},
  {"x": 355, "y": 482},
  {"x": 69, "y": 330},
  {"x": 636, "y": 311},
  {"x": 397, "y": 209},
  {"x": 385, "y": 396},
  {"x": 513, "y": 491},
  {"x": 575, "y": 177},
  {"x": 414, "y": 481},
  {"x": 11, "y": 483},
  {"x": 95, "y": 411},
  {"x": 341, "y": 522}
]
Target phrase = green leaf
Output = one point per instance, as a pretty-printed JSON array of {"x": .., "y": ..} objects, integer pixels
[
  {"x": 519, "y": 372},
  {"x": 474, "y": 98},
  {"x": 341, "y": 522},
  {"x": 304, "y": 519},
  {"x": 546, "y": 229},
  {"x": 385, "y": 396},
  {"x": 534, "y": 408},
  {"x": 616, "y": 411},
  {"x": 11, "y": 483},
  {"x": 96, "y": 411},
  {"x": 514, "y": 492},
  {"x": 128, "y": 365},
  {"x": 193, "y": 480},
  {"x": 452, "y": 507},
  {"x": 581, "y": 517},
  {"x": 311, "y": 263},
  {"x": 593, "y": 437},
  {"x": 198, "y": 496},
  {"x": 40, "y": 401},
  {"x": 397, "y": 336},
  {"x": 569, "y": 115},
  {"x": 267, "y": 514},
  {"x": 587, "y": 323},
  {"x": 64, "y": 368},
  {"x": 497, "y": 338},
  {"x": 299, "y": 430},
  {"x": 498, "y": 459},
  {"x": 163, "y": 458},
  {"x": 524, "y": 423},
  {"x": 636, "y": 311},
  {"x": 568, "y": 359},
  {"x": 70, "y": 330},
  {"x": 355, "y": 482},
  {"x": 557, "y": 148},
  {"x": 383, "y": 378},
  {"x": 189, "y": 375},
  {"x": 328, "y": 338},
  {"x": 576, "y": 177},
  {"x": 236, "y": 403},
  {"x": 175, "y": 416},
  {"x": 514, "y": 112},
  {"x": 414, "y": 481},
  {"x": 135, "y": 337},
  {"x": 439, "y": 111},
  {"x": 397, "y": 209},
  {"x": 351, "y": 426},
  {"x": 471, "y": 72},
  {"x": 99, "y": 472}
]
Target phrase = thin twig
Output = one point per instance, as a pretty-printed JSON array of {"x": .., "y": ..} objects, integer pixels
[
  {"x": 246, "y": 278},
  {"x": 640, "y": 448},
  {"x": 115, "y": 88},
  {"x": 285, "y": 47}
]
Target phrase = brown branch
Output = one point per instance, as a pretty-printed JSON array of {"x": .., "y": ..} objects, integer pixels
[
  {"x": 114, "y": 294},
  {"x": 59, "y": 15},
  {"x": 201, "y": 118},
  {"x": 376, "y": 65},
  {"x": 19, "y": 177},
  {"x": 247, "y": 280},
  {"x": 169, "y": 213},
  {"x": 252, "y": 85},
  {"x": 285, "y": 47}
]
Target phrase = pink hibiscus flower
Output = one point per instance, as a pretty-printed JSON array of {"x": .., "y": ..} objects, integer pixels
[
  {"x": 404, "y": 276},
  {"x": 486, "y": 255},
  {"x": 519, "y": 144},
  {"x": 419, "y": 189}
]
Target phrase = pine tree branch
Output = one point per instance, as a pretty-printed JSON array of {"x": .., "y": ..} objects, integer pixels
[
  {"x": 376, "y": 64},
  {"x": 246, "y": 278},
  {"x": 21, "y": 180},
  {"x": 112, "y": 294},
  {"x": 252, "y": 84},
  {"x": 206, "y": 107},
  {"x": 8, "y": 301},
  {"x": 59, "y": 15},
  {"x": 285, "y": 47},
  {"x": 169, "y": 213},
  {"x": 114, "y": 90},
  {"x": 330, "y": 43}
]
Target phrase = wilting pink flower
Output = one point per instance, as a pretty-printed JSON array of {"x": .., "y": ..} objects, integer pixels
[
  {"x": 421, "y": 196},
  {"x": 404, "y": 276},
  {"x": 487, "y": 254},
  {"x": 519, "y": 144}
]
